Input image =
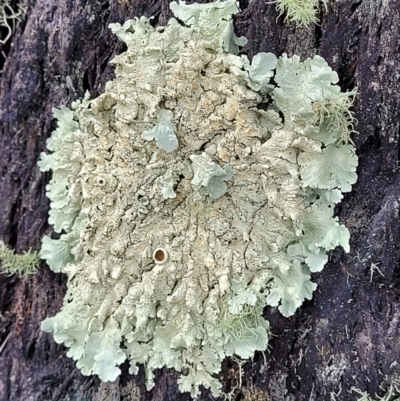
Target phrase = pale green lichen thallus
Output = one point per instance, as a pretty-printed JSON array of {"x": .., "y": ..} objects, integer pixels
[{"x": 189, "y": 195}]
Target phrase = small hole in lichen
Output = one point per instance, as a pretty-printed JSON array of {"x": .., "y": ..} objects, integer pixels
[{"x": 160, "y": 255}]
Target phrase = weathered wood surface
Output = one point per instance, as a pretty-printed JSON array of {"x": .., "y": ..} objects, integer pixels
[{"x": 348, "y": 335}]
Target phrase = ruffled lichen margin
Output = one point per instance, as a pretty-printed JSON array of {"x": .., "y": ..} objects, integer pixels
[{"x": 191, "y": 194}]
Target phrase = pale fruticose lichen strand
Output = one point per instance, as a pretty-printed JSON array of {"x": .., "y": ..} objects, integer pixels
[
  {"x": 22, "y": 264},
  {"x": 302, "y": 12},
  {"x": 9, "y": 17},
  {"x": 189, "y": 195}
]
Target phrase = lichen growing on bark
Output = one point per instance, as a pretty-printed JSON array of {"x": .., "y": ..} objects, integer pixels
[
  {"x": 21, "y": 264},
  {"x": 301, "y": 12},
  {"x": 189, "y": 195}
]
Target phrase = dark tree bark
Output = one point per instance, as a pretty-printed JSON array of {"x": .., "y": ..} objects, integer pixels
[{"x": 348, "y": 335}]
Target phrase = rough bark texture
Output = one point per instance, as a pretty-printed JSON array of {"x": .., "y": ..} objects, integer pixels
[{"x": 348, "y": 335}]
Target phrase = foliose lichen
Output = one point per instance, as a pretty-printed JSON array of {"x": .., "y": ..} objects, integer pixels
[{"x": 189, "y": 195}]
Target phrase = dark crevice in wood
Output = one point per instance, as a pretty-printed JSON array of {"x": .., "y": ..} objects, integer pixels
[{"x": 355, "y": 6}]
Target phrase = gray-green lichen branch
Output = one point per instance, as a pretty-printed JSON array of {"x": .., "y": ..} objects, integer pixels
[
  {"x": 191, "y": 194},
  {"x": 302, "y": 12},
  {"x": 8, "y": 18},
  {"x": 21, "y": 264}
]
